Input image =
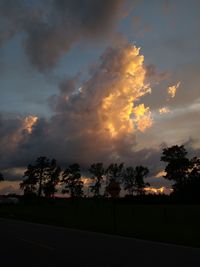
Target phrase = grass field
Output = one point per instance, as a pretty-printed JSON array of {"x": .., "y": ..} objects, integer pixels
[{"x": 179, "y": 224}]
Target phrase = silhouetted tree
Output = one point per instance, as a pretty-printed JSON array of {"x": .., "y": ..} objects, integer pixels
[
  {"x": 52, "y": 180},
  {"x": 1, "y": 177},
  {"x": 41, "y": 172},
  {"x": 97, "y": 170},
  {"x": 71, "y": 178},
  {"x": 194, "y": 173},
  {"x": 41, "y": 177},
  {"x": 192, "y": 184},
  {"x": 29, "y": 184},
  {"x": 178, "y": 165},
  {"x": 129, "y": 180},
  {"x": 140, "y": 173},
  {"x": 114, "y": 175}
]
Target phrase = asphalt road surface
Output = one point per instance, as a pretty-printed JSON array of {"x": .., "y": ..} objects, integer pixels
[{"x": 29, "y": 244}]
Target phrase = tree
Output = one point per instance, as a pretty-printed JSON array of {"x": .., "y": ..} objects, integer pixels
[
  {"x": 71, "y": 178},
  {"x": 192, "y": 184},
  {"x": 178, "y": 165},
  {"x": 1, "y": 177},
  {"x": 41, "y": 173},
  {"x": 140, "y": 173},
  {"x": 97, "y": 170},
  {"x": 185, "y": 172},
  {"x": 29, "y": 184},
  {"x": 129, "y": 180},
  {"x": 114, "y": 175},
  {"x": 49, "y": 186},
  {"x": 194, "y": 173},
  {"x": 41, "y": 178},
  {"x": 133, "y": 179}
]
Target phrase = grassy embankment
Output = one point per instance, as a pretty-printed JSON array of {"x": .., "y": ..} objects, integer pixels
[{"x": 170, "y": 223}]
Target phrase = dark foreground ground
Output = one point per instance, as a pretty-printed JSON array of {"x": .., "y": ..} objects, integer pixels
[
  {"x": 168, "y": 223},
  {"x": 35, "y": 245}
]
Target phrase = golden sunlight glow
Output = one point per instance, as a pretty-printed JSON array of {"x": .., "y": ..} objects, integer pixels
[
  {"x": 26, "y": 126},
  {"x": 160, "y": 174},
  {"x": 164, "y": 110},
  {"x": 29, "y": 122},
  {"x": 143, "y": 117},
  {"x": 117, "y": 113},
  {"x": 172, "y": 90},
  {"x": 10, "y": 187},
  {"x": 155, "y": 190},
  {"x": 86, "y": 181}
]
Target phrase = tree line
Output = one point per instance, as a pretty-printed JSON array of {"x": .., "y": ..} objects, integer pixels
[{"x": 43, "y": 177}]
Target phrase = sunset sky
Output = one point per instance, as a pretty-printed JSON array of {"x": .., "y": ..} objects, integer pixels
[{"x": 97, "y": 81}]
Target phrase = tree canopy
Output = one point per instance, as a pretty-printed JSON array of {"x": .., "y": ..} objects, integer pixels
[
  {"x": 1, "y": 177},
  {"x": 71, "y": 179},
  {"x": 183, "y": 171},
  {"x": 133, "y": 179},
  {"x": 97, "y": 170},
  {"x": 114, "y": 175},
  {"x": 41, "y": 177}
]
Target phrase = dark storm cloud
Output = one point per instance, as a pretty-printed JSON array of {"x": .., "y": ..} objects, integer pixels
[
  {"x": 8, "y": 128},
  {"x": 52, "y": 27}
]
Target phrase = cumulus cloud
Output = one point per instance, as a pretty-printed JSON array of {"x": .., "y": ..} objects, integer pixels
[
  {"x": 101, "y": 120},
  {"x": 50, "y": 28},
  {"x": 97, "y": 122}
]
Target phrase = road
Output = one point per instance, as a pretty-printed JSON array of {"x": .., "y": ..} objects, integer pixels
[{"x": 29, "y": 244}]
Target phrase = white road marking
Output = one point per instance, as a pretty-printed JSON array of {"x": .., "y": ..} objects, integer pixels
[{"x": 36, "y": 244}]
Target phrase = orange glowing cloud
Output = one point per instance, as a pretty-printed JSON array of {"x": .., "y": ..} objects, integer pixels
[
  {"x": 10, "y": 187},
  {"x": 29, "y": 122},
  {"x": 160, "y": 190},
  {"x": 160, "y": 174},
  {"x": 172, "y": 90},
  {"x": 164, "y": 110},
  {"x": 86, "y": 181},
  {"x": 117, "y": 112},
  {"x": 142, "y": 117},
  {"x": 100, "y": 118},
  {"x": 27, "y": 125}
]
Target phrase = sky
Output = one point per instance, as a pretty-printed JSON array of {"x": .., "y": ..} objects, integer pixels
[{"x": 97, "y": 81}]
